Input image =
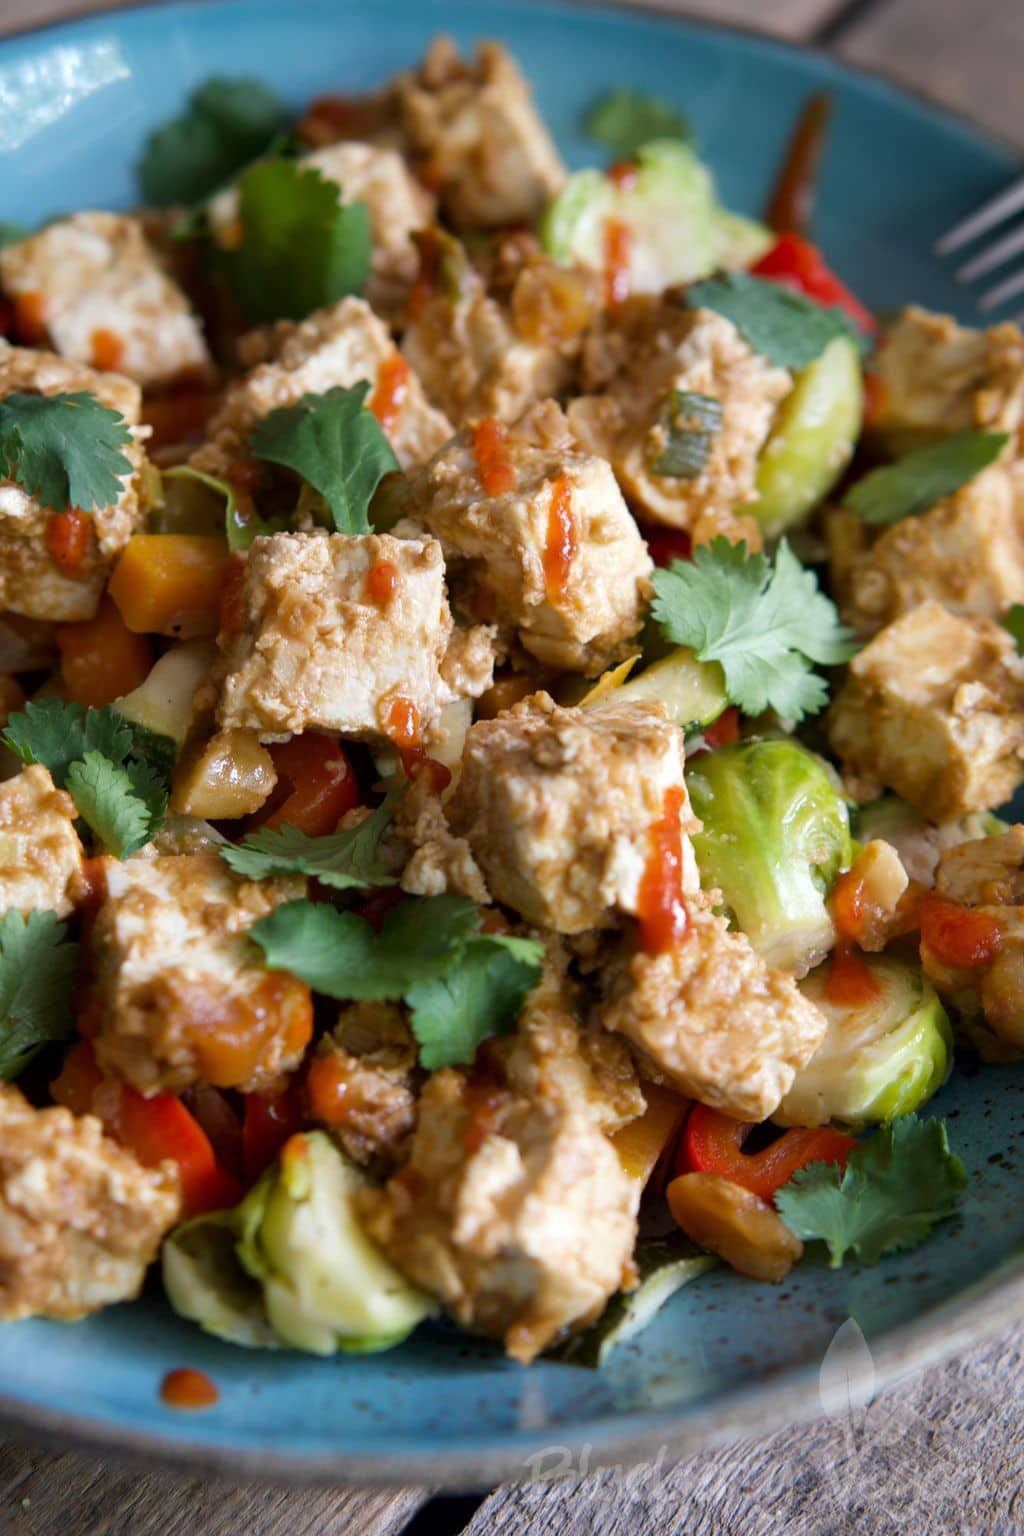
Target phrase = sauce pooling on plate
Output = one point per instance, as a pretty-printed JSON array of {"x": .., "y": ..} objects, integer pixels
[{"x": 188, "y": 1390}]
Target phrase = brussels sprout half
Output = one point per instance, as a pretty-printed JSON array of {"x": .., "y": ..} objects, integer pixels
[
  {"x": 812, "y": 441},
  {"x": 776, "y": 834},
  {"x": 678, "y": 232},
  {"x": 879, "y": 1059},
  {"x": 291, "y": 1265}
]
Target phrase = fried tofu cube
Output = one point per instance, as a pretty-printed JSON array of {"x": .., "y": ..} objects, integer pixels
[
  {"x": 558, "y": 806},
  {"x": 31, "y": 580},
  {"x": 556, "y": 561},
  {"x": 933, "y": 708},
  {"x": 40, "y": 854},
  {"x": 335, "y": 347},
  {"x": 477, "y": 137},
  {"x": 514, "y": 1209},
  {"x": 80, "y": 1219},
  {"x": 320, "y": 647},
  {"x": 935, "y": 377},
  {"x": 182, "y": 996},
  {"x": 713, "y": 1018},
  {"x": 690, "y": 352},
  {"x": 105, "y": 299},
  {"x": 966, "y": 553}
]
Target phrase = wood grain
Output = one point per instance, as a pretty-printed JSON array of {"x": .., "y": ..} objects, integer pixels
[{"x": 42, "y": 1494}]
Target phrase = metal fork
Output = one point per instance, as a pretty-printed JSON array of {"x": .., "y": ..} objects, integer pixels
[{"x": 1001, "y": 250}]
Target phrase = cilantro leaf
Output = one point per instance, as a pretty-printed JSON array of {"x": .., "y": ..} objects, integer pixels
[
  {"x": 11, "y": 233},
  {"x": 625, "y": 120},
  {"x": 57, "y": 734},
  {"x": 63, "y": 449},
  {"x": 227, "y": 123},
  {"x": 783, "y": 326},
  {"x": 1013, "y": 621},
  {"x": 921, "y": 478},
  {"x": 38, "y": 965},
  {"x": 335, "y": 444},
  {"x": 301, "y": 247},
  {"x": 107, "y": 798},
  {"x": 895, "y": 1188},
  {"x": 345, "y": 860},
  {"x": 342, "y": 955},
  {"x": 478, "y": 995},
  {"x": 693, "y": 421},
  {"x": 766, "y": 626}
]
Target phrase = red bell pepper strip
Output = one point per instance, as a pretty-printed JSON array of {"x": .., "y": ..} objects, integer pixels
[
  {"x": 667, "y": 544},
  {"x": 316, "y": 786},
  {"x": 713, "y": 1143},
  {"x": 723, "y": 731},
  {"x": 270, "y": 1118},
  {"x": 798, "y": 264}
]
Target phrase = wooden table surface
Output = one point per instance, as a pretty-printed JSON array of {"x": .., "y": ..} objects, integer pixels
[{"x": 940, "y": 1452}]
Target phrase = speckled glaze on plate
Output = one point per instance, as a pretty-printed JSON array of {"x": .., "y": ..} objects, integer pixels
[{"x": 727, "y": 1355}]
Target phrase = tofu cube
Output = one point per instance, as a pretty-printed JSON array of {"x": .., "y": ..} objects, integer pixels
[
  {"x": 338, "y": 346},
  {"x": 578, "y": 614},
  {"x": 320, "y": 647},
  {"x": 31, "y": 581},
  {"x": 105, "y": 298},
  {"x": 558, "y": 806},
  {"x": 966, "y": 553},
  {"x": 181, "y": 992},
  {"x": 933, "y": 708},
  {"x": 80, "y": 1219},
  {"x": 936, "y": 377},
  {"x": 687, "y": 352},
  {"x": 477, "y": 137},
  {"x": 713, "y": 1018},
  {"x": 40, "y": 855}
]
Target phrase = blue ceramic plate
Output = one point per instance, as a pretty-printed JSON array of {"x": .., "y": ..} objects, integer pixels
[{"x": 727, "y": 1355}]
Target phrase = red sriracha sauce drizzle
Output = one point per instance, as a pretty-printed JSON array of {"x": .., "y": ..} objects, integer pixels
[
  {"x": 189, "y": 1389},
  {"x": 392, "y": 388},
  {"x": 617, "y": 242},
  {"x": 490, "y": 449},
  {"x": 401, "y": 725},
  {"x": 660, "y": 907},
  {"x": 850, "y": 984},
  {"x": 382, "y": 582},
  {"x": 623, "y": 174},
  {"x": 562, "y": 541},
  {"x": 956, "y": 936}
]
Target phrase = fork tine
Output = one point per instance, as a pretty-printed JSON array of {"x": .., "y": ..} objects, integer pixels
[
  {"x": 1007, "y": 289},
  {"x": 992, "y": 256},
  {"x": 984, "y": 218}
]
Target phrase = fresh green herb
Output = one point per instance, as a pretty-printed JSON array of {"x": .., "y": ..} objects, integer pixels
[
  {"x": 923, "y": 477},
  {"x": 11, "y": 233},
  {"x": 894, "y": 1189},
  {"x": 239, "y": 529},
  {"x": 227, "y": 123},
  {"x": 478, "y": 995},
  {"x": 693, "y": 421},
  {"x": 767, "y": 625},
  {"x": 1014, "y": 622},
  {"x": 783, "y": 326},
  {"x": 346, "y": 860},
  {"x": 301, "y": 248},
  {"x": 460, "y": 984},
  {"x": 626, "y": 120},
  {"x": 336, "y": 444},
  {"x": 64, "y": 449},
  {"x": 115, "y": 771},
  {"x": 38, "y": 965}
]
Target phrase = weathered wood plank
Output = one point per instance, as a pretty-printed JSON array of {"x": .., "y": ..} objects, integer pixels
[
  {"x": 967, "y": 55},
  {"x": 940, "y": 1452},
  {"x": 42, "y": 1494}
]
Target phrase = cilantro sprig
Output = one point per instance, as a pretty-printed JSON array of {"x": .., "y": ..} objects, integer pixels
[
  {"x": 917, "y": 481},
  {"x": 785, "y": 327},
  {"x": 895, "y": 1188},
  {"x": 226, "y": 123},
  {"x": 626, "y": 120},
  {"x": 693, "y": 421},
  {"x": 38, "y": 966},
  {"x": 346, "y": 860},
  {"x": 64, "y": 449},
  {"x": 1013, "y": 622},
  {"x": 301, "y": 246},
  {"x": 337, "y": 446},
  {"x": 767, "y": 625},
  {"x": 461, "y": 985},
  {"x": 115, "y": 771}
]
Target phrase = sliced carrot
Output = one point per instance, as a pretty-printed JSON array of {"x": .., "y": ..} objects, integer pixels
[
  {"x": 169, "y": 583},
  {"x": 100, "y": 659}
]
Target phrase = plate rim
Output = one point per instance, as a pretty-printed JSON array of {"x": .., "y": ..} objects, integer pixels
[{"x": 969, "y": 1318}]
